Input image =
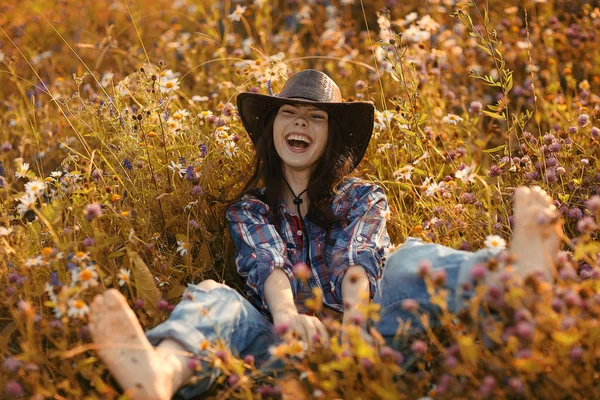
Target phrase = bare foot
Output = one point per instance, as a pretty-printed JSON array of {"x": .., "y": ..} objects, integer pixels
[
  {"x": 122, "y": 345},
  {"x": 536, "y": 238}
]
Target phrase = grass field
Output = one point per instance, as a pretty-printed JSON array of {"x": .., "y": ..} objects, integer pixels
[{"x": 120, "y": 141}]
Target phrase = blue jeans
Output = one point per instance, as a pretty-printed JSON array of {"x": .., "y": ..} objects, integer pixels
[{"x": 222, "y": 313}]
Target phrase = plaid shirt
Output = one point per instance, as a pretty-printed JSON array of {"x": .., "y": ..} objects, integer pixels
[{"x": 260, "y": 248}]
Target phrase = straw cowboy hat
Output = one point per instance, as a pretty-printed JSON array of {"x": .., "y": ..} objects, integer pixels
[{"x": 317, "y": 89}]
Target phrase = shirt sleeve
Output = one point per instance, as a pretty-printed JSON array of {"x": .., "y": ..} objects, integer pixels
[
  {"x": 259, "y": 247},
  {"x": 364, "y": 241}
]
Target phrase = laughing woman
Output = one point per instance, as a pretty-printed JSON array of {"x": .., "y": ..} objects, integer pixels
[{"x": 300, "y": 213}]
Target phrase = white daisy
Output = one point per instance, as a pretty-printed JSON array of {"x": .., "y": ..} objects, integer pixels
[
  {"x": 34, "y": 261},
  {"x": 81, "y": 256},
  {"x": 181, "y": 114},
  {"x": 205, "y": 114},
  {"x": 404, "y": 173},
  {"x": 35, "y": 187},
  {"x": 49, "y": 289},
  {"x": 465, "y": 175},
  {"x": 176, "y": 167},
  {"x": 27, "y": 202},
  {"x": 77, "y": 308},
  {"x": 237, "y": 14},
  {"x": 123, "y": 275},
  {"x": 495, "y": 242},
  {"x": 86, "y": 277},
  {"x": 22, "y": 170},
  {"x": 5, "y": 231},
  {"x": 451, "y": 119},
  {"x": 182, "y": 247},
  {"x": 230, "y": 148},
  {"x": 56, "y": 174},
  {"x": 169, "y": 85}
]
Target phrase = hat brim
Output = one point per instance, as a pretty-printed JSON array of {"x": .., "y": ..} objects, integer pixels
[{"x": 356, "y": 118}]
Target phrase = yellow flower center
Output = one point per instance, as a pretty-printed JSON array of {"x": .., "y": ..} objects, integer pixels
[
  {"x": 85, "y": 275},
  {"x": 79, "y": 304},
  {"x": 80, "y": 254}
]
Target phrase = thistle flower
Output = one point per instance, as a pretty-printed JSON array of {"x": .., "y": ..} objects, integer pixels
[
  {"x": 475, "y": 107},
  {"x": 583, "y": 120}
]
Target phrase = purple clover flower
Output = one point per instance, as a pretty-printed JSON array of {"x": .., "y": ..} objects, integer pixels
[
  {"x": 127, "y": 164},
  {"x": 13, "y": 389},
  {"x": 92, "y": 211},
  {"x": 197, "y": 191},
  {"x": 190, "y": 174},
  {"x": 575, "y": 213},
  {"x": 475, "y": 107},
  {"x": 583, "y": 120}
]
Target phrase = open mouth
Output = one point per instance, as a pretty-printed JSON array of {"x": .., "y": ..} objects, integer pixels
[{"x": 298, "y": 142}]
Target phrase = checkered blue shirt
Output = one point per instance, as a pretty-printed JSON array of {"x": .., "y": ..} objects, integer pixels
[{"x": 260, "y": 248}]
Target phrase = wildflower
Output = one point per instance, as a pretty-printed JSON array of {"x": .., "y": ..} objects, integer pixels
[
  {"x": 428, "y": 24},
  {"x": 583, "y": 120},
  {"x": 475, "y": 107},
  {"x": 495, "y": 242},
  {"x": 452, "y": 119},
  {"x": 433, "y": 188},
  {"x": 180, "y": 114},
  {"x": 162, "y": 305},
  {"x": 182, "y": 247},
  {"x": 403, "y": 173},
  {"x": 575, "y": 354},
  {"x": 231, "y": 148},
  {"x": 88, "y": 242},
  {"x": 169, "y": 85},
  {"x": 124, "y": 276},
  {"x": 205, "y": 114},
  {"x": 34, "y": 261},
  {"x": 35, "y": 187},
  {"x": 12, "y": 364},
  {"x": 516, "y": 385},
  {"x": 77, "y": 308},
  {"x": 488, "y": 385},
  {"x": 419, "y": 347},
  {"x": 13, "y": 389},
  {"x": 302, "y": 271},
  {"x": 575, "y": 213},
  {"x": 5, "y": 231},
  {"x": 190, "y": 174},
  {"x": 237, "y": 14},
  {"x": 197, "y": 190},
  {"x": 80, "y": 256},
  {"x": 595, "y": 132},
  {"x": 86, "y": 277},
  {"x": 199, "y": 99},
  {"x": 127, "y": 164},
  {"x": 21, "y": 171},
  {"x": 106, "y": 79},
  {"x": 410, "y": 305},
  {"x": 92, "y": 211},
  {"x": 478, "y": 272},
  {"x": 176, "y": 167},
  {"x": 465, "y": 175}
]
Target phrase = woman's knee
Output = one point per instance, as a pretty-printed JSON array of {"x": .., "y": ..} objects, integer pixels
[{"x": 210, "y": 284}]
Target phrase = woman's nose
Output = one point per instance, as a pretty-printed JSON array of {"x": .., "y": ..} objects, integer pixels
[{"x": 300, "y": 121}]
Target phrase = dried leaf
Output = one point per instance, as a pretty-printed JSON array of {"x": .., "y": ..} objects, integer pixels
[{"x": 144, "y": 282}]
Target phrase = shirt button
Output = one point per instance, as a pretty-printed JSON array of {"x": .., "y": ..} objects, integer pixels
[
  {"x": 359, "y": 239},
  {"x": 299, "y": 233}
]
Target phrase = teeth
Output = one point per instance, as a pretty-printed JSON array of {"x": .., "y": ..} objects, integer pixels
[{"x": 300, "y": 138}]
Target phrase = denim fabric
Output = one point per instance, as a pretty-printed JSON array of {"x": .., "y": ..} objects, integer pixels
[
  {"x": 401, "y": 281},
  {"x": 210, "y": 314},
  {"x": 222, "y": 313}
]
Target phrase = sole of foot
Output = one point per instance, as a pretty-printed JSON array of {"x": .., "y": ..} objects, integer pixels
[
  {"x": 536, "y": 238},
  {"x": 125, "y": 350}
]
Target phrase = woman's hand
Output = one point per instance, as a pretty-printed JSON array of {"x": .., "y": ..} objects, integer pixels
[{"x": 307, "y": 326}]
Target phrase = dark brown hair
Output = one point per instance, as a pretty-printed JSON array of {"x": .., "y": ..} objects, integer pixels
[{"x": 329, "y": 172}]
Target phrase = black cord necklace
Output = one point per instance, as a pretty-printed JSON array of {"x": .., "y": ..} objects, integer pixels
[{"x": 297, "y": 202}]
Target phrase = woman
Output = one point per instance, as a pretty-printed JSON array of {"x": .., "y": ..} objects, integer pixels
[{"x": 307, "y": 142}]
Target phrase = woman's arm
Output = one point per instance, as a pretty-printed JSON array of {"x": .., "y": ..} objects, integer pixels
[
  {"x": 354, "y": 283},
  {"x": 279, "y": 298}
]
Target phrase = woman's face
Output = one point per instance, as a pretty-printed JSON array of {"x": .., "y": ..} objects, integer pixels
[{"x": 300, "y": 135}]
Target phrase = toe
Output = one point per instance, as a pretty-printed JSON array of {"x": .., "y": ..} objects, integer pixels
[
  {"x": 522, "y": 197},
  {"x": 114, "y": 299}
]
